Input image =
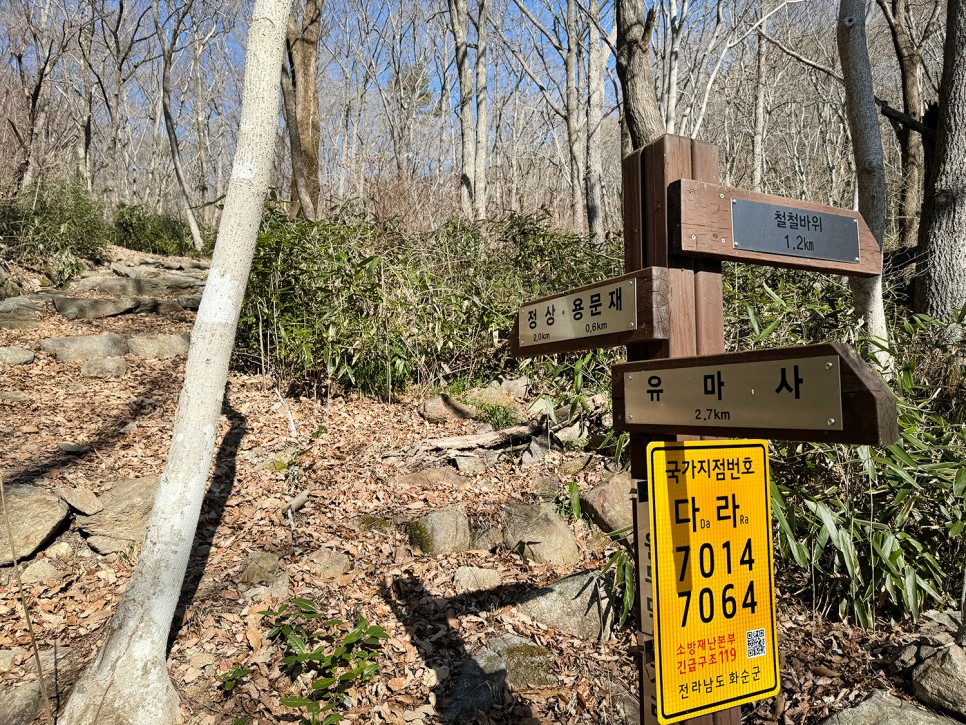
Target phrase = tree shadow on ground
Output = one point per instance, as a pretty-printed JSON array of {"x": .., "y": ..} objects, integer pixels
[
  {"x": 212, "y": 511},
  {"x": 477, "y": 692}
]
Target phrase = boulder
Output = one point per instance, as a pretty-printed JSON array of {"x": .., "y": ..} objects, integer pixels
[
  {"x": 35, "y": 514},
  {"x": 20, "y": 305},
  {"x": 882, "y": 707},
  {"x": 139, "y": 287},
  {"x": 151, "y": 306},
  {"x": 190, "y": 302},
  {"x": 496, "y": 397},
  {"x": 85, "y": 347},
  {"x": 610, "y": 505},
  {"x": 443, "y": 409},
  {"x": 261, "y": 568},
  {"x": 516, "y": 387},
  {"x": 445, "y": 531},
  {"x": 20, "y": 703},
  {"x": 39, "y": 571},
  {"x": 578, "y": 604},
  {"x": 474, "y": 579},
  {"x": 104, "y": 368},
  {"x": 8, "y": 288},
  {"x": 539, "y": 534},
  {"x": 61, "y": 551},
  {"x": 82, "y": 500},
  {"x": 430, "y": 478},
  {"x": 126, "y": 508},
  {"x": 527, "y": 663},
  {"x": 83, "y": 308},
  {"x": 480, "y": 687},
  {"x": 157, "y": 347},
  {"x": 940, "y": 681},
  {"x": 15, "y": 356},
  {"x": 327, "y": 563}
]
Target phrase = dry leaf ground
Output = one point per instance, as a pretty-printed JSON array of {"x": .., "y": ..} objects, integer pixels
[{"x": 337, "y": 454}]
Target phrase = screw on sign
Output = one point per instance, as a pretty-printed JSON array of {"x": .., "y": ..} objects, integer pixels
[{"x": 715, "y": 641}]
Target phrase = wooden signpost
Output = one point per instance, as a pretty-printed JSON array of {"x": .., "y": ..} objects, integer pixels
[{"x": 678, "y": 384}]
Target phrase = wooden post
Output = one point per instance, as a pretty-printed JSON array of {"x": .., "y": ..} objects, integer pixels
[{"x": 696, "y": 328}]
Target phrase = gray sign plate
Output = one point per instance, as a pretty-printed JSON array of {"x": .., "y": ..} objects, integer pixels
[
  {"x": 792, "y": 394},
  {"x": 602, "y": 310},
  {"x": 786, "y": 230}
]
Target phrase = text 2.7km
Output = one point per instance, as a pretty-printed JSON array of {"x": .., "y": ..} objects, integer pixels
[{"x": 711, "y": 414}]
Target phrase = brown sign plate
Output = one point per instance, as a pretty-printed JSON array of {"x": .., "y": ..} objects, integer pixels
[
  {"x": 627, "y": 309},
  {"x": 813, "y": 393},
  {"x": 706, "y": 220}
]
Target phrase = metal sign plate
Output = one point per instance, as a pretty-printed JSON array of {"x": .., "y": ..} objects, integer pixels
[
  {"x": 715, "y": 643},
  {"x": 605, "y": 309},
  {"x": 792, "y": 394},
  {"x": 774, "y": 229}
]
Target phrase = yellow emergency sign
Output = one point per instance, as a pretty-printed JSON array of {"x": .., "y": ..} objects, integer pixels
[{"x": 715, "y": 641}]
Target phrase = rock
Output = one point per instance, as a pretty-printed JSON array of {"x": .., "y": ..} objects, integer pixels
[
  {"x": 260, "y": 568},
  {"x": 571, "y": 434},
  {"x": 15, "y": 356},
  {"x": 539, "y": 447},
  {"x": 104, "y": 368},
  {"x": 577, "y": 604},
  {"x": 495, "y": 397},
  {"x": 20, "y": 704},
  {"x": 8, "y": 288},
  {"x": 940, "y": 681},
  {"x": 39, "y": 571},
  {"x": 19, "y": 320},
  {"x": 11, "y": 657},
  {"x": 35, "y": 515},
  {"x": 157, "y": 347},
  {"x": 473, "y": 579},
  {"x": 486, "y": 539},
  {"x": 480, "y": 687},
  {"x": 517, "y": 387},
  {"x": 126, "y": 508},
  {"x": 471, "y": 464},
  {"x": 84, "y": 308},
  {"x": 13, "y": 396},
  {"x": 61, "y": 551},
  {"x": 73, "y": 448},
  {"x": 539, "y": 534},
  {"x": 19, "y": 305},
  {"x": 948, "y": 620},
  {"x": 105, "y": 545},
  {"x": 572, "y": 468},
  {"x": 430, "y": 478},
  {"x": 81, "y": 499},
  {"x": 882, "y": 707},
  {"x": 151, "y": 306},
  {"x": 443, "y": 409},
  {"x": 527, "y": 663},
  {"x": 85, "y": 347},
  {"x": 144, "y": 287},
  {"x": 53, "y": 659},
  {"x": 442, "y": 532},
  {"x": 278, "y": 590},
  {"x": 190, "y": 302},
  {"x": 327, "y": 563},
  {"x": 610, "y": 504}
]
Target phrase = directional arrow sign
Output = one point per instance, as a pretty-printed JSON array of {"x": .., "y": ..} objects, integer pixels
[
  {"x": 706, "y": 220},
  {"x": 617, "y": 311},
  {"x": 814, "y": 393}
]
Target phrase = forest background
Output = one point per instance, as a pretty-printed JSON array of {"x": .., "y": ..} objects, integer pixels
[{"x": 440, "y": 163}]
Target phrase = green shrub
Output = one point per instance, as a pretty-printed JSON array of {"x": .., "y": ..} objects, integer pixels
[
  {"x": 53, "y": 226},
  {"x": 357, "y": 303},
  {"x": 863, "y": 531},
  {"x": 143, "y": 229}
]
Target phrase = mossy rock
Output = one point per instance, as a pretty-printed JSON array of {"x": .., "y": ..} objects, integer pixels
[
  {"x": 367, "y": 522},
  {"x": 446, "y": 531}
]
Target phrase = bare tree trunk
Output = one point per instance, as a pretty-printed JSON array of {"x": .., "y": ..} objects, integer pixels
[
  {"x": 128, "y": 682},
  {"x": 167, "y": 52},
  {"x": 758, "y": 135},
  {"x": 869, "y": 162},
  {"x": 575, "y": 146},
  {"x": 942, "y": 289},
  {"x": 303, "y": 52},
  {"x": 459, "y": 22},
  {"x": 641, "y": 110},
  {"x": 479, "y": 173},
  {"x": 295, "y": 146},
  {"x": 595, "y": 119},
  {"x": 201, "y": 122}
]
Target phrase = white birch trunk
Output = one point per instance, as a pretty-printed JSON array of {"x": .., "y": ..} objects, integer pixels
[
  {"x": 869, "y": 163},
  {"x": 595, "y": 119},
  {"x": 479, "y": 174},
  {"x": 128, "y": 681}
]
